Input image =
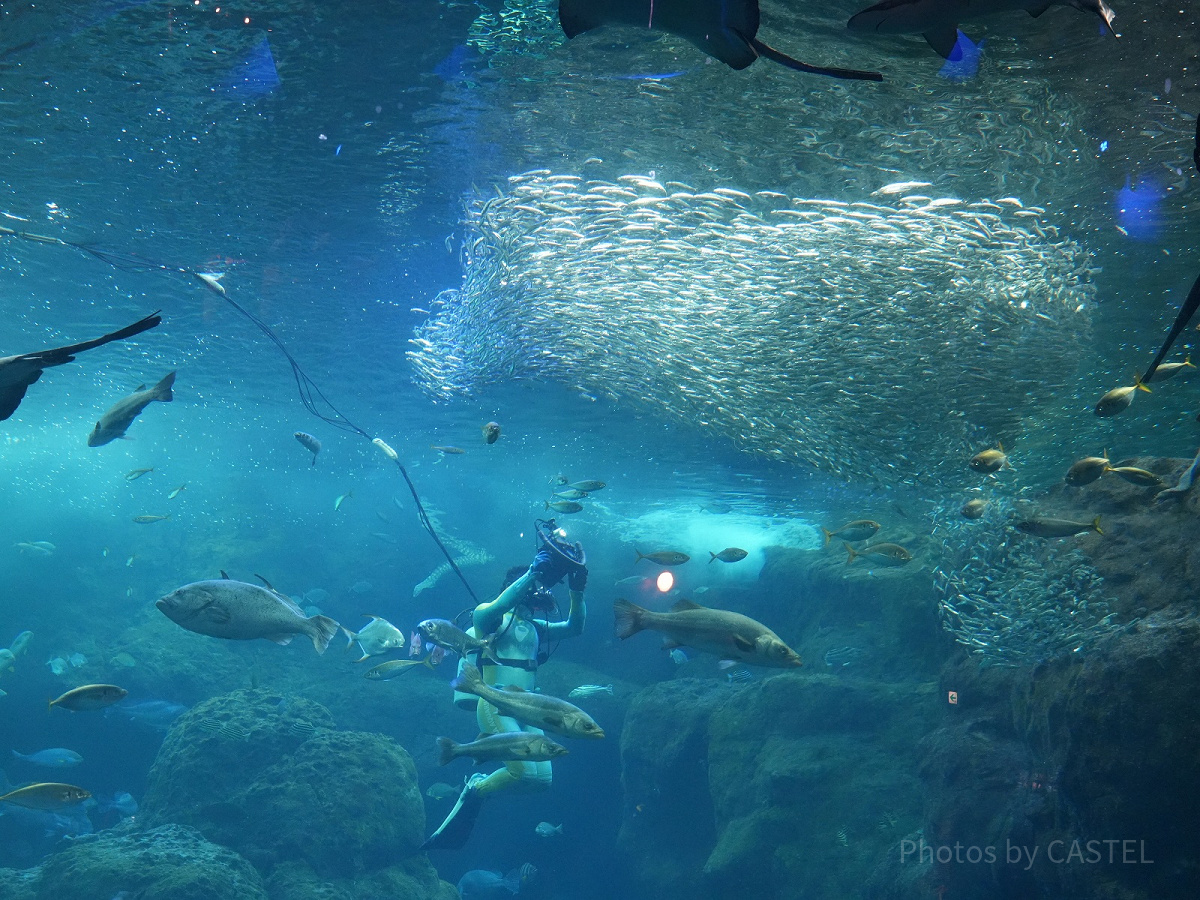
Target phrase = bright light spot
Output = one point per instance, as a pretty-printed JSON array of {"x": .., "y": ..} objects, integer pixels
[{"x": 665, "y": 582}]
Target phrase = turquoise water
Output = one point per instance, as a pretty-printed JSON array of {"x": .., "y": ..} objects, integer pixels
[{"x": 342, "y": 183}]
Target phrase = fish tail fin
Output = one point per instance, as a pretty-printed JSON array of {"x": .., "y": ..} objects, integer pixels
[
  {"x": 469, "y": 681},
  {"x": 850, "y": 553},
  {"x": 1096, "y": 525},
  {"x": 427, "y": 662},
  {"x": 1137, "y": 383},
  {"x": 323, "y": 630},
  {"x": 1187, "y": 361},
  {"x": 711, "y": 557},
  {"x": 640, "y": 555},
  {"x": 783, "y": 59},
  {"x": 162, "y": 390},
  {"x": 446, "y": 748},
  {"x": 487, "y": 650},
  {"x": 628, "y": 618},
  {"x": 828, "y": 535}
]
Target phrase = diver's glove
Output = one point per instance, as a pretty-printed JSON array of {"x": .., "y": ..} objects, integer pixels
[
  {"x": 577, "y": 578},
  {"x": 549, "y": 567}
]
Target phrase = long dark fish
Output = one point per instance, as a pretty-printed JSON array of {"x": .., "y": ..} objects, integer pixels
[
  {"x": 309, "y": 443},
  {"x": 17, "y": 373},
  {"x": 724, "y": 29}
]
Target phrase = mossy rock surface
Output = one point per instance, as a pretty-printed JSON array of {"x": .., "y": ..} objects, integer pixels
[
  {"x": 172, "y": 862},
  {"x": 268, "y": 776}
]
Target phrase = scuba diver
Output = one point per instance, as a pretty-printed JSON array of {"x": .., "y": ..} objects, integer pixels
[{"x": 519, "y": 620}]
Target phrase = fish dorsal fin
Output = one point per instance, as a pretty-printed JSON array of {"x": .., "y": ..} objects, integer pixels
[
  {"x": 683, "y": 604},
  {"x": 942, "y": 39},
  {"x": 224, "y": 574},
  {"x": 140, "y": 387},
  {"x": 1036, "y": 11},
  {"x": 514, "y": 689},
  {"x": 371, "y": 617},
  {"x": 744, "y": 644},
  {"x": 267, "y": 583}
]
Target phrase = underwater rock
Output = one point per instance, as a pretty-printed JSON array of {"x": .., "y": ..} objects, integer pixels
[
  {"x": 1118, "y": 737},
  {"x": 18, "y": 884},
  {"x": 414, "y": 878},
  {"x": 664, "y": 773},
  {"x": 887, "y": 613},
  {"x": 263, "y": 774},
  {"x": 172, "y": 862},
  {"x": 809, "y": 779},
  {"x": 1148, "y": 555}
]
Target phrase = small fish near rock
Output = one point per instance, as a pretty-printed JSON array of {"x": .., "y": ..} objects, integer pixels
[
  {"x": 54, "y": 758},
  {"x": 858, "y": 530},
  {"x": 1119, "y": 399},
  {"x": 46, "y": 796},
  {"x": 89, "y": 697},
  {"x": 377, "y": 637},
  {"x": 989, "y": 461},
  {"x": 394, "y": 668},
  {"x": 883, "y": 554},
  {"x": 590, "y": 690},
  {"x": 728, "y": 555},
  {"x": 663, "y": 557},
  {"x": 1087, "y": 470},
  {"x": 235, "y": 610}
]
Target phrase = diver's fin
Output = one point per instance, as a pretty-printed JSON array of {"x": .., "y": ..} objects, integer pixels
[
  {"x": 452, "y": 834},
  {"x": 942, "y": 39}
]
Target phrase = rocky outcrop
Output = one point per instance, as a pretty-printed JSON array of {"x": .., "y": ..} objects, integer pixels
[
  {"x": 172, "y": 862},
  {"x": 809, "y": 780},
  {"x": 270, "y": 777}
]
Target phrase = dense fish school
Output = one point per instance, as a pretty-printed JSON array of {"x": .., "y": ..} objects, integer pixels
[{"x": 815, "y": 330}]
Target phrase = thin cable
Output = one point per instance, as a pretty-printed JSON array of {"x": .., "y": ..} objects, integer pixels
[{"x": 311, "y": 396}]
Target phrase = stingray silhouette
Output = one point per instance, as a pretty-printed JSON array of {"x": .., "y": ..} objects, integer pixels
[{"x": 724, "y": 29}]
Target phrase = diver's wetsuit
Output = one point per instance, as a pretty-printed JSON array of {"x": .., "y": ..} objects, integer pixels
[{"x": 518, "y": 637}]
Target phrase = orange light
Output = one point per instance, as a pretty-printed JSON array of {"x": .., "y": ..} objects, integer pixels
[{"x": 665, "y": 581}]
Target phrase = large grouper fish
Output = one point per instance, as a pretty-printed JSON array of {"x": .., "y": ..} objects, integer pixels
[
  {"x": 729, "y": 635},
  {"x": 238, "y": 611}
]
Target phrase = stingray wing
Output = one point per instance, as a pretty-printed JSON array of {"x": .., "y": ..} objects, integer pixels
[{"x": 721, "y": 28}]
